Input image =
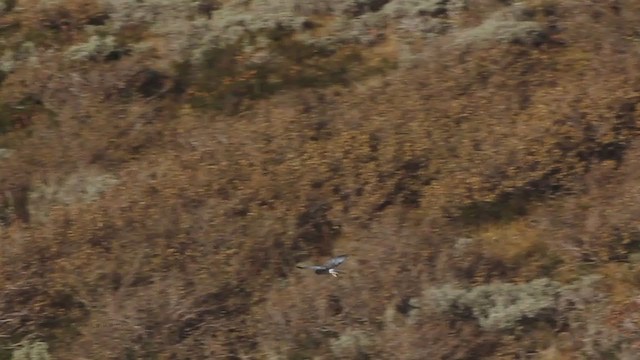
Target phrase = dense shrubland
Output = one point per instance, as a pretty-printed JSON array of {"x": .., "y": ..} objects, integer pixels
[{"x": 164, "y": 165}]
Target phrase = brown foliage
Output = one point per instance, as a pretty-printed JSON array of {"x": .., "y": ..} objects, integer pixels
[{"x": 506, "y": 162}]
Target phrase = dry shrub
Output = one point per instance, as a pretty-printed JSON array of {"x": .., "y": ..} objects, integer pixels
[
  {"x": 310, "y": 315},
  {"x": 522, "y": 148}
]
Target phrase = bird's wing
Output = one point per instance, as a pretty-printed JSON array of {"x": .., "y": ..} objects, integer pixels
[
  {"x": 336, "y": 261},
  {"x": 312, "y": 267}
]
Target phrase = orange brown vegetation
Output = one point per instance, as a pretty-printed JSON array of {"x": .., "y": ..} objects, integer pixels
[{"x": 135, "y": 223}]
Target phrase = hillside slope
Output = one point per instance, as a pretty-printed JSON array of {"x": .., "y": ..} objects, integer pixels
[{"x": 165, "y": 165}]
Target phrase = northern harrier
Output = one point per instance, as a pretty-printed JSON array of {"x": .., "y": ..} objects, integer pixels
[{"x": 328, "y": 268}]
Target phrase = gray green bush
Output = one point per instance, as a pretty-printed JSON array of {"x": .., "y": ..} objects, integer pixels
[
  {"x": 97, "y": 47},
  {"x": 80, "y": 187},
  {"x": 25, "y": 53},
  {"x": 502, "y": 306},
  {"x": 352, "y": 344},
  {"x": 31, "y": 350},
  {"x": 514, "y": 23}
]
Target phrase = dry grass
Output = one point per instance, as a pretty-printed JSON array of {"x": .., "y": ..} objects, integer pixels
[{"x": 136, "y": 223}]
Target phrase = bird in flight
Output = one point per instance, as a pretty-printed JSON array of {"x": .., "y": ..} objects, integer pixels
[{"x": 328, "y": 268}]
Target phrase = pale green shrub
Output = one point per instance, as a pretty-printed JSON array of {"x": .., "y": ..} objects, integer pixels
[
  {"x": 501, "y": 306},
  {"x": 186, "y": 33},
  {"x": 31, "y": 350},
  {"x": 502, "y": 31},
  {"x": 446, "y": 298},
  {"x": 96, "y": 47},
  {"x": 162, "y": 13},
  {"x": 351, "y": 344},
  {"x": 511, "y": 24},
  {"x": 7, "y": 63},
  {"x": 6, "y": 153},
  {"x": 80, "y": 187},
  {"x": 409, "y": 19},
  {"x": 413, "y": 8},
  {"x": 498, "y": 306},
  {"x": 24, "y": 54}
]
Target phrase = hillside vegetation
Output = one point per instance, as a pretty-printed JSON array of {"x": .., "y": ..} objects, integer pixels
[{"x": 166, "y": 164}]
